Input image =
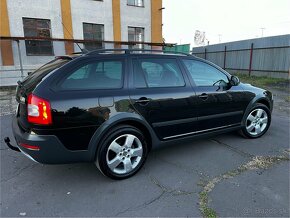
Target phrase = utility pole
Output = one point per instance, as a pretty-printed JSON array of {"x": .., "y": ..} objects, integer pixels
[
  {"x": 220, "y": 38},
  {"x": 262, "y": 28}
]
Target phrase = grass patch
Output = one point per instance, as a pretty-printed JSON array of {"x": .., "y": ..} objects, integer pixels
[
  {"x": 264, "y": 82},
  {"x": 206, "y": 211},
  {"x": 287, "y": 99}
]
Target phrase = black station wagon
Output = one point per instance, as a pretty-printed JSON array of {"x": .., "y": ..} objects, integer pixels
[{"x": 112, "y": 107}]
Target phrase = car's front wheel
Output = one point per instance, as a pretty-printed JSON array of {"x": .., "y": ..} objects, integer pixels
[
  {"x": 122, "y": 153},
  {"x": 257, "y": 122}
]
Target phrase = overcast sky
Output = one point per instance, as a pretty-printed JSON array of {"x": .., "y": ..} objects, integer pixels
[{"x": 224, "y": 20}]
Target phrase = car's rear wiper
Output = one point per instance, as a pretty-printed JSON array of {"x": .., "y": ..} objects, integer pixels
[{"x": 20, "y": 84}]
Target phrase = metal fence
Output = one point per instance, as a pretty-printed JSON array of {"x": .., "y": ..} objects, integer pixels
[
  {"x": 269, "y": 56},
  {"x": 23, "y": 61}
]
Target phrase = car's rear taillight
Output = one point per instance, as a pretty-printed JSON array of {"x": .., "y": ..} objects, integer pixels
[{"x": 38, "y": 110}]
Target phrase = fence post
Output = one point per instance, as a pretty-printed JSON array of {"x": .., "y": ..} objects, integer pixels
[
  {"x": 251, "y": 59},
  {"x": 225, "y": 57},
  {"x": 20, "y": 59},
  {"x": 205, "y": 53}
]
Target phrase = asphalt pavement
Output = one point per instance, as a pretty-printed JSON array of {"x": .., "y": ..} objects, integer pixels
[{"x": 225, "y": 175}]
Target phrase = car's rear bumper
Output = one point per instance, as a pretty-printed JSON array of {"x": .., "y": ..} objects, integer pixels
[{"x": 50, "y": 149}]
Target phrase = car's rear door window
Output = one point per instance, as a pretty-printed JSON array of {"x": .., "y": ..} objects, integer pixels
[
  {"x": 157, "y": 73},
  {"x": 95, "y": 75}
]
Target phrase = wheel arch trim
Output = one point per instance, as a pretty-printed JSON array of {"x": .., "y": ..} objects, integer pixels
[
  {"x": 118, "y": 119},
  {"x": 258, "y": 99}
]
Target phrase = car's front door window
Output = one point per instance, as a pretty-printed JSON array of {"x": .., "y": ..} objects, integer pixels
[{"x": 204, "y": 74}]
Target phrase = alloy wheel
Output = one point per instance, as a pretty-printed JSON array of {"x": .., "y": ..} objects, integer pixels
[
  {"x": 124, "y": 154},
  {"x": 256, "y": 122}
]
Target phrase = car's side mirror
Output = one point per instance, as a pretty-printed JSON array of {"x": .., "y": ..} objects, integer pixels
[{"x": 234, "y": 81}]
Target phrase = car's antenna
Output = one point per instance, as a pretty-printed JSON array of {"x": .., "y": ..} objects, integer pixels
[{"x": 82, "y": 50}]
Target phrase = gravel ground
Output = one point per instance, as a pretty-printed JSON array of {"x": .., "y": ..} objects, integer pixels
[{"x": 8, "y": 102}]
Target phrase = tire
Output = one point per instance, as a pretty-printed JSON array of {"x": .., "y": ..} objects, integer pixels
[
  {"x": 122, "y": 153},
  {"x": 256, "y": 122}
]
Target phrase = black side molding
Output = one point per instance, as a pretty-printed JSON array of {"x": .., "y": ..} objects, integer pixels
[{"x": 7, "y": 142}]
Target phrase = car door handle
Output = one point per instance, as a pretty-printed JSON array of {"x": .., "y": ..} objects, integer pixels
[
  {"x": 203, "y": 96},
  {"x": 142, "y": 101}
]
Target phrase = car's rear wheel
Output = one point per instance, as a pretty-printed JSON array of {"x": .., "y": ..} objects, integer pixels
[
  {"x": 122, "y": 153},
  {"x": 257, "y": 122}
]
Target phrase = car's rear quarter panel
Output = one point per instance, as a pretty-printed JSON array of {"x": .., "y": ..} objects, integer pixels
[{"x": 77, "y": 114}]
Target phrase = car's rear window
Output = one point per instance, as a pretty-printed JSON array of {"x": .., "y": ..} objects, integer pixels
[
  {"x": 95, "y": 75},
  {"x": 36, "y": 76}
]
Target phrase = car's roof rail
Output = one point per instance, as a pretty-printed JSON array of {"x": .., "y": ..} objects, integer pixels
[{"x": 130, "y": 51}]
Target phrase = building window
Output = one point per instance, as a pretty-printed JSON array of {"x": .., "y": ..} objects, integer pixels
[
  {"x": 137, "y": 3},
  {"x": 136, "y": 34},
  {"x": 37, "y": 28},
  {"x": 93, "y": 32}
]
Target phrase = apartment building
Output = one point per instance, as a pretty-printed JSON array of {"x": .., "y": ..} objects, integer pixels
[{"x": 106, "y": 21}]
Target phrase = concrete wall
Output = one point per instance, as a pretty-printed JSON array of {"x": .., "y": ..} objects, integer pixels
[
  {"x": 272, "y": 62},
  {"x": 44, "y": 9},
  {"x": 97, "y": 12},
  {"x": 139, "y": 17}
]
